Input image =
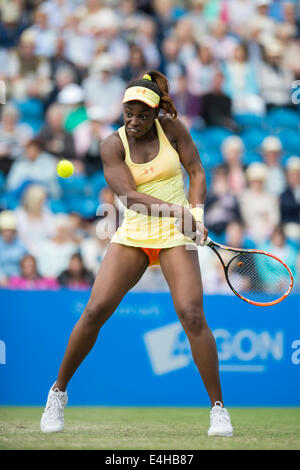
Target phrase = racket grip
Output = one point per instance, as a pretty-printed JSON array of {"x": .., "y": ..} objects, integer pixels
[{"x": 207, "y": 241}]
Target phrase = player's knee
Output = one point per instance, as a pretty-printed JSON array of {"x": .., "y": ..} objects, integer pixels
[
  {"x": 95, "y": 313},
  {"x": 192, "y": 318}
]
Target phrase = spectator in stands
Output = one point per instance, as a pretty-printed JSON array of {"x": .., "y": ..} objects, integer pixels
[
  {"x": 223, "y": 45},
  {"x": 54, "y": 254},
  {"x": 23, "y": 60},
  {"x": 95, "y": 17},
  {"x": 216, "y": 106},
  {"x": 271, "y": 150},
  {"x": 11, "y": 248},
  {"x": 290, "y": 16},
  {"x": 214, "y": 10},
  {"x": 130, "y": 16},
  {"x": 262, "y": 21},
  {"x": 76, "y": 276},
  {"x": 53, "y": 137},
  {"x": 187, "y": 106},
  {"x": 80, "y": 227},
  {"x": 79, "y": 46},
  {"x": 46, "y": 36},
  {"x": 108, "y": 198},
  {"x": 12, "y": 25},
  {"x": 136, "y": 66},
  {"x": 57, "y": 12},
  {"x": 241, "y": 83},
  {"x": 75, "y": 55},
  {"x": 72, "y": 96},
  {"x": 233, "y": 149},
  {"x": 259, "y": 209},
  {"x": 110, "y": 212},
  {"x": 236, "y": 236},
  {"x": 30, "y": 102},
  {"x": 87, "y": 138},
  {"x": 170, "y": 64},
  {"x": 255, "y": 48},
  {"x": 29, "y": 278},
  {"x": 238, "y": 15},
  {"x": 285, "y": 34},
  {"x": 104, "y": 88},
  {"x": 36, "y": 166},
  {"x": 274, "y": 80},
  {"x": 93, "y": 248},
  {"x": 63, "y": 76},
  {"x": 146, "y": 38},
  {"x": 279, "y": 246},
  {"x": 184, "y": 33},
  {"x": 195, "y": 14},
  {"x": 152, "y": 281},
  {"x": 212, "y": 273},
  {"x": 117, "y": 46},
  {"x": 162, "y": 14},
  {"x": 13, "y": 135},
  {"x": 59, "y": 60},
  {"x": 290, "y": 199},
  {"x": 289, "y": 54},
  {"x": 201, "y": 71},
  {"x": 35, "y": 221},
  {"x": 221, "y": 206}
]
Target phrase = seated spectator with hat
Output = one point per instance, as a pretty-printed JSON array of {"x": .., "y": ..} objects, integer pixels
[
  {"x": 11, "y": 248},
  {"x": 271, "y": 150},
  {"x": 290, "y": 199}
]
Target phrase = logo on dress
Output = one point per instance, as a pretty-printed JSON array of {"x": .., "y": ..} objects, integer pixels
[
  {"x": 141, "y": 90},
  {"x": 149, "y": 170}
]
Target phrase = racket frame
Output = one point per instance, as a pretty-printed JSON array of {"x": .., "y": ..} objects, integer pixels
[{"x": 239, "y": 251}]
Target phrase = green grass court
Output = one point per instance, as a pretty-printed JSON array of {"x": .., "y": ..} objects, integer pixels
[{"x": 150, "y": 428}]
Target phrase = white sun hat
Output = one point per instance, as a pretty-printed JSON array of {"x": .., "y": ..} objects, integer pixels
[{"x": 71, "y": 94}]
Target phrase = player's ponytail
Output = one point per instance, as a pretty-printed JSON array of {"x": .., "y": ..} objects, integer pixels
[{"x": 166, "y": 102}]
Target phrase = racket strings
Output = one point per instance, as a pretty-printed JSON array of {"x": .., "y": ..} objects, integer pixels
[{"x": 258, "y": 277}]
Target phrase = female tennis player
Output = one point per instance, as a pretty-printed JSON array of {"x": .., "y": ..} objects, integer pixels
[{"x": 142, "y": 163}]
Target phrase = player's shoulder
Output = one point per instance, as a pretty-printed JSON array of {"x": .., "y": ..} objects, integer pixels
[
  {"x": 172, "y": 127},
  {"x": 111, "y": 145}
]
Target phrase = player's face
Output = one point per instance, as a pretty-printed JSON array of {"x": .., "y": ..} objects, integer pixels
[{"x": 138, "y": 118}]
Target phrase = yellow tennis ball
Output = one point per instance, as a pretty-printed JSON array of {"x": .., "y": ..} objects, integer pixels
[{"x": 65, "y": 168}]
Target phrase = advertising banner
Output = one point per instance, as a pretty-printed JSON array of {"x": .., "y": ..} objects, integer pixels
[{"x": 142, "y": 356}]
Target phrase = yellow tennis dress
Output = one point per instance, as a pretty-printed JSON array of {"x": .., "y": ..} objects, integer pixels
[{"x": 160, "y": 178}]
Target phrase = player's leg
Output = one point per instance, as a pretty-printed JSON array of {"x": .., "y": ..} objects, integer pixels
[
  {"x": 182, "y": 272},
  {"x": 120, "y": 270}
]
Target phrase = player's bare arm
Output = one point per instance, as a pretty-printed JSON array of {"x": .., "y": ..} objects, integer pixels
[
  {"x": 189, "y": 157},
  {"x": 120, "y": 179}
]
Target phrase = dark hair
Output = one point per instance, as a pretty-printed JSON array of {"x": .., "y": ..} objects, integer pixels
[
  {"x": 77, "y": 255},
  {"x": 29, "y": 256},
  {"x": 160, "y": 85},
  {"x": 36, "y": 141}
]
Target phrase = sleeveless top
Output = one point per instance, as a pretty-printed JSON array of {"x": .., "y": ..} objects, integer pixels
[{"x": 160, "y": 178}]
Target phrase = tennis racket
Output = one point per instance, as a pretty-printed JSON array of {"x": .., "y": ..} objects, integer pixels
[{"x": 255, "y": 276}]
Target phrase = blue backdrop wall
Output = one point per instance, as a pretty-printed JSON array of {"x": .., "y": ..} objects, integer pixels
[{"x": 142, "y": 356}]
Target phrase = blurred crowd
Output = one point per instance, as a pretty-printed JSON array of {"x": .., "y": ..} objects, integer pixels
[{"x": 234, "y": 73}]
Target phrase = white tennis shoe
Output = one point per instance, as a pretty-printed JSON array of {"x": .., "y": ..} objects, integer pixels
[
  {"x": 53, "y": 417},
  {"x": 220, "y": 424}
]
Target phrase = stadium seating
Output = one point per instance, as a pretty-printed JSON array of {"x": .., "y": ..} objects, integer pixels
[
  {"x": 282, "y": 118},
  {"x": 249, "y": 120},
  {"x": 253, "y": 137},
  {"x": 290, "y": 139}
]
